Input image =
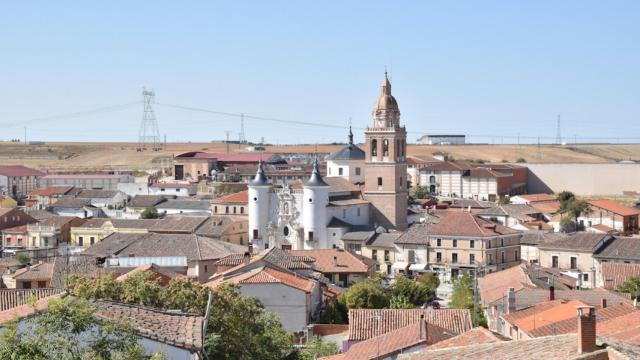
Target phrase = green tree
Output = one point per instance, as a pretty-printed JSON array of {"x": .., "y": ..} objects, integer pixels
[
  {"x": 368, "y": 294},
  {"x": 150, "y": 213},
  {"x": 186, "y": 295},
  {"x": 565, "y": 198},
  {"x": 504, "y": 200},
  {"x": 576, "y": 208},
  {"x": 67, "y": 330},
  {"x": 102, "y": 288},
  {"x": 420, "y": 192},
  {"x": 462, "y": 298},
  {"x": 400, "y": 302},
  {"x": 430, "y": 280},
  {"x": 630, "y": 286},
  {"x": 521, "y": 160},
  {"x": 317, "y": 348},
  {"x": 415, "y": 292},
  {"x": 142, "y": 288},
  {"x": 334, "y": 312},
  {"x": 23, "y": 258}
]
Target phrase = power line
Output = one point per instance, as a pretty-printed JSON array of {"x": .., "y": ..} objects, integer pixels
[{"x": 101, "y": 110}]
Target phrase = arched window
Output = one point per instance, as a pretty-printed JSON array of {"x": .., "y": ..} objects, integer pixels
[
  {"x": 385, "y": 147},
  {"x": 403, "y": 147},
  {"x": 374, "y": 147}
]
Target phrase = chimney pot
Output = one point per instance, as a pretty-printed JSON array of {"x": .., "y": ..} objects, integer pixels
[
  {"x": 603, "y": 303},
  {"x": 335, "y": 260},
  {"x": 586, "y": 329},
  {"x": 423, "y": 327},
  {"x": 511, "y": 300},
  {"x": 552, "y": 293}
]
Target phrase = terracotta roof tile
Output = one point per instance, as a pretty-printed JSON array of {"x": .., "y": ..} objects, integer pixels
[
  {"x": 241, "y": 197},
  {"x": 543, "y": 314},
  {"x": 494, "y": 286},
  {"x": 614, "y": 274},
  {"x": 614, "y": 207},
  {"x": 547, "y": 207},
  {"x": 268, "y": 275},
  {"x": 336, "y": 260},
  {"x": 528, "y": 296},
  {"x": 478, "y": 335},
  {"x": 51, "y": 190},
  {"x": 538, "y": 197},
  {"x": 363, "y": 323},
  {"x": 19, "y": 170}
]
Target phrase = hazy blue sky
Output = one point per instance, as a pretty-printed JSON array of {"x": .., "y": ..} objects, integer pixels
[{"x": 472, "y": 67}]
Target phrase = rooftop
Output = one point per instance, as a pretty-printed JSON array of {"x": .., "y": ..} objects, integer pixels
[
  {"x": 241, "y": 197},
  {"x": 179, "y": 224},
  {"x": 52, "y": 190},
  {"x": 579, "y": 241},
  {"x": 614, "y": 207},
  {"x": 19, "y": 170},
  {"x": 184, "y": 205},
  {"x": 537, "y": 197},
  {"x": 620, "y": 248},
  {"x": 494, "y": 286},
  {"x": 145, "y": 201},
  {"x": 267, "y": 275},
  {"x": 336, "y": 260},
  {"x": 614, "y": 274}
]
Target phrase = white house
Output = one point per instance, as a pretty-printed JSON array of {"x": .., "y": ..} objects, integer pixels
[{"x": 111, "y": 199}]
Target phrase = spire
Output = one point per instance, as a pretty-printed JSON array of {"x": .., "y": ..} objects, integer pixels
[
  {"x": 350, "y": 136},
  {"x": 316, "y": 178},
  {"x": 260, "y": 178},
  {"x": 386, "y": 85}
]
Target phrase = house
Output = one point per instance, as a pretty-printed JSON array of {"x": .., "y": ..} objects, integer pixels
[
  {"x": 381, "y": 248},
  {"x": 530, "y": 242},
  {"x": 179, "y": 206},
  {"x": 41, "y": 199},
  {"x": 186, "y": 254},
  {"x": 225, "y": 228},
  {"x": 70, "y": 206},
  {"x": 530, "y": 199},
  {"x": 19, "y": 180},
  {"x": 459, "y": 243},
  {"x": 197, "y": 164},
  {"x": 111, "y": 199},
  {"x": 140, "y": 203},
  {"x": 37, "y": 276},
  {"x": 612, "y": 274},
  {"x": 341, "y": 267},
  {"x": 611, "y": 214},
  {"x": 414, "y": 164},
  {"x": 295, "y": 298},
  {"x": 94, "y": 230},
  {"x": 179, "y": 224},
  {"x": 405, "y": 340},
  {"x": 177, "y": 189},
  {"x": 51, "y": 233},
  {"x": 585, "y": 344},
  {"x": 517, "y": 217},
  {"x": 474, "y": 181},
  {"x": 13, "y": 221},
  {"x": 231, "y": 204},
  {"x": 163, "y": 275},
  {"x": 7, "y": 202},
  {"x": 86, "y": 181},
  {"x": 14, "y": 238},
  {"x": 573, "y": 255}
]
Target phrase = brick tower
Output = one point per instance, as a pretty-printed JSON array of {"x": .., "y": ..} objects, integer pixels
[{"x": 385, "y": 163}]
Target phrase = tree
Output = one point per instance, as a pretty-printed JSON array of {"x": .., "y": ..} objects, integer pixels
[
  {"x": 367, "y": 294},
  {"x": 317, "y": 348},
  {"x": 400, "y": 302},
  {"x": 565, "y": 198},
  {"x": 567, "y": 225},
  {"x": 420, "y": 192},
  {"x": 504, "y": 200},
  {"x": 430, "y": 280},
  {"x": 630, "y": 286},
  {"x": 576, "y": 208},
  {"x": 150, "y": 213},
  {"x": 23, "y": 258},
  {"x": 462, "y": 298},
  {"x": 521, "y": 160},
  {"x": 67, "y": 330},
  {"x": 414, "y": 292},
  {"x": 335, "y": 312}
]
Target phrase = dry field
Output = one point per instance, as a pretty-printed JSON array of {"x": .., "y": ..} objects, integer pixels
[{"x": 123, "y": 156}]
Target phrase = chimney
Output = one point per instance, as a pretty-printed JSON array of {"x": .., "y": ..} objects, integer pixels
[
  {"x": 246, "y": 258},
  {"x": 586, "y": 329},
  {"x": 511, "y": 300},
  {"x": 250, "y": 248},
  {"x": 423, "y": 327},
  {"x": 603, "y": 303},
  {"x": 335, "y": 261},
  {"x": 552, "y": 293}
]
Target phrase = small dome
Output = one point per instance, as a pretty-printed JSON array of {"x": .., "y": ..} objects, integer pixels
[
  {"x": 260, "y": 179},
  {"x": 316, "y": 179},
  {"x": 349, "y": 152},
  {"x": 386, "y": 101}
]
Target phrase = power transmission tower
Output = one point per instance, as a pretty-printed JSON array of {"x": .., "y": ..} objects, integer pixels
[
  {"x": 241, "y": 137},
  {"x": 149, "y": 135},
  {"x": 558, "y": 134}
]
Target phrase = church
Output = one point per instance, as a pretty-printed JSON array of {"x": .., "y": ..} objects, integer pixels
[{"x": 363, "y": 190}]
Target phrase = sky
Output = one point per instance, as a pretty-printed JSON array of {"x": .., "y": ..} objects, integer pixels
[{"x": 493, "y": 70}]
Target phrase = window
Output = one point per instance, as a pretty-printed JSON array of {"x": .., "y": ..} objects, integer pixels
[
  {"x": 439, "y": 242},
  {"x": 310, "y": 236},
  {"x": 489, "y": 244},
  {"x": 377, "y": 267},
  {"x": 42, "y": 284},
  {"x": 255, "y": 234},
  {"x": 374, "y": 147},
  {"x": 385, "y": 147},
  {"x": 215, "y": 209},
  {"x": 358, "y": 211},
  {"x": 454, "y": 258},
  {"x": 353, "y": 247},
  {"x": 574, "y": 262},
  {"x": 472, "y": 244},
  {"x": 379, "y": 181},
  {"x": 412, "y": 256},
  {"x": 206, "y": 268},
  {"x": 340, "y": 172},
  {"x": 502, "y": 257},
  {"x": 554, "y": 261},
  {"x": 241, "y": 211},
  {"x": 357, "y": 171},
  {"x": 92, "y": 240},
  {"x": 178, "y": 190},
  {"x": 374, "y": 254},
  {"x": 234, "y": 209},
  {"x": 80, "y": 241},
  {"x": 438, "y": 257},
  {"x": 501, "y": 242},
  {"x": 455, "y": 243},
  {"x": 226, "y": 209},
  {"x": 26, "y": 285},
  {"x": 161, "y": 189},
  {"x": 386, "y": 255},
  {"x": 400, "y": 182},
  {"x": 472, "y": 259},
  {"x": 490, "y": 259},
  {"x": 344, "y": 213},
  {"x": 585, "y": 277},
  {"x": 517, "y": 257}
]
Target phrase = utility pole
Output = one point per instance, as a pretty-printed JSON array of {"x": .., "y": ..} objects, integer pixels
[
  {"x": 227, "y": 141},
  {"x": 25, "y": 135},
  {"x": 149, "y": 133},
  {"x": 558, "y": 134},
  {"x": 475, "y": 297}
]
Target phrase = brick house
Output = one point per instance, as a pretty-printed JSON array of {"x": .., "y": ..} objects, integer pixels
[{"x": 19, "y": 180}]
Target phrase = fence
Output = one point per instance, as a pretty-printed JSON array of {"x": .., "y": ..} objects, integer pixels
[{"x": 11, "y": 298}]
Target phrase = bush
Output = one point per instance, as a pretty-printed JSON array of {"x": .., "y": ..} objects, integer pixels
[
  {"x": 149, "y": 213},
  {"x": 521, "y": 160}
]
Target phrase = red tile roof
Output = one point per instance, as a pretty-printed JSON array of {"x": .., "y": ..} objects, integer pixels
[
  {"x": 543, "y": 314},
  {"x": 364, "y": 323},
  {"x": 19, "y": 170},
  {"x": 25, "y": 310},
  {"x": 614, "y": 207},
  {"x": 614, "y": 274},
  {"x": 626, "y": 328},
  {"x": 547, "y": 207},
  {"x": 494, "y": 286},
  {"x": 82, "y": 176},
  {"x": 268, "y": 275},
  {"x": 241, "y": 197},
  {"x": 51, "y": 190},
  {"x": 395, "y": 342},
  {"x": 478, "y": 335},
  {"x": 170, "y": 186},
  {"x": 336, "y": 260},
  {"x": 538, "y": 197}
]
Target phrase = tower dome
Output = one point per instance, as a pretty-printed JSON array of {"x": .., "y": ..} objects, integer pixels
[{"x": 386, "y": 101}]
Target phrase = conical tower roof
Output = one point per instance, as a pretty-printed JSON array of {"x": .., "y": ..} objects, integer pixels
[
  {"x": 316, "y": 178},
  {"x": 260, "y": 179}
]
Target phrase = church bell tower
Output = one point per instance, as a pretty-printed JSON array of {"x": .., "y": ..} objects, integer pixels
[{"x": 385, "y": 162}]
